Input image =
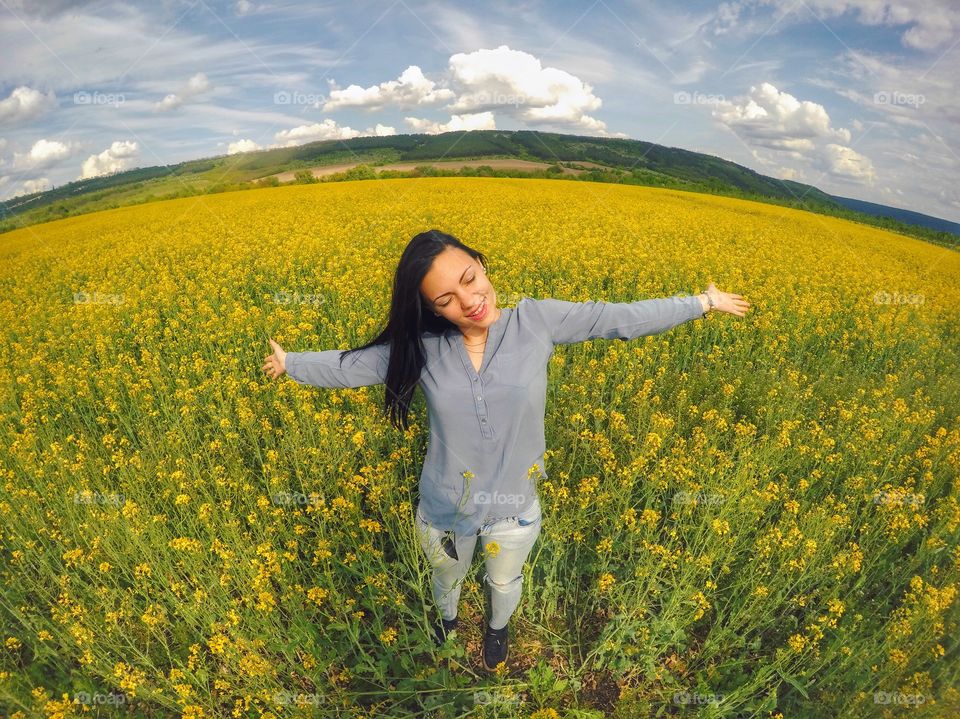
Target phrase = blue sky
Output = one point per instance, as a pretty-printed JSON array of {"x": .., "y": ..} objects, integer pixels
[{"x": 856, "y": 97}]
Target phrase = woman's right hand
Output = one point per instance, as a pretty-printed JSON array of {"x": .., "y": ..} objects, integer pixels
[{"x": 275, "y": 364}]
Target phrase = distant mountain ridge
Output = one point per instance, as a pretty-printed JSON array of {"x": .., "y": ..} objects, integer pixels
[{"x": 908, "y": 216}]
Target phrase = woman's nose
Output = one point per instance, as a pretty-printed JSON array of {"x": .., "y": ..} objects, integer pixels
[{"x": 469, "y": 301}]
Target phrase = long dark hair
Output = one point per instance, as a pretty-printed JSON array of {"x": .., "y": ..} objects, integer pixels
[{"x": 410, "y": 318}]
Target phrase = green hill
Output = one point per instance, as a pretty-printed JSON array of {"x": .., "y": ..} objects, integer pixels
[{"x": 626, "y": 161}]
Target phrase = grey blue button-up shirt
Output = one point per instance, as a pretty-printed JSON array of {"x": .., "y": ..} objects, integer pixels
[{"x": 486, "y": 442}]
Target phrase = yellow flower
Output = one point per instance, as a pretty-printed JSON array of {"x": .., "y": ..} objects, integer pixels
[
  {"x": 703, "y": 605},
  {"x": 606, "y": 581},
  {"x": 186, "y": 544},
  {"x": 317, "y": 594},
  {"x": 388, "y": 635},
  {"x": 492, "y": 549},
  {"x": 545, "y": 714},
  {"x": 720, "y": 526},
  {"x": 128, "y": 678},
  {"x": 898, "y": 658},
  {"x": 153, "y": 616},
  {"x": 371, "y": 525},
  {"x": 218, "y": 643},
  {"x": 650, "y": 517},
  {"x": 73, "y": 557}
]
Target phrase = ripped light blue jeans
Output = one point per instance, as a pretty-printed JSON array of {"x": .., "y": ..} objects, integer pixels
[{"x": 504, "y": 571}]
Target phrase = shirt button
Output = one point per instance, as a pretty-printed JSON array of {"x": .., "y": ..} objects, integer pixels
[
  {"x": 479, "y": 398},
  {"x": 483, "y": 421}
]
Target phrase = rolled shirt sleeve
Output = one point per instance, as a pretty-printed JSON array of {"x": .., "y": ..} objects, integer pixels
[
  {"x": 364, "y": 367},
  {"x": 569, "y": 322}
]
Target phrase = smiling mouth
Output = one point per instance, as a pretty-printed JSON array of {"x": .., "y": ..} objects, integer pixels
[{"x": 479, "y": 309}]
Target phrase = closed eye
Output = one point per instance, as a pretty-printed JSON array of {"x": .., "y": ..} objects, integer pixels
[{"x": 449, "y": 301}]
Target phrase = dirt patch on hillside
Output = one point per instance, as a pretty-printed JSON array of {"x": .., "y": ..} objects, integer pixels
[{"x": 502, "y": 164}]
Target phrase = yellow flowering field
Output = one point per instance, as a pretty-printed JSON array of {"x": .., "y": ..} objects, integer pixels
[{"x": 750, "y": 516}]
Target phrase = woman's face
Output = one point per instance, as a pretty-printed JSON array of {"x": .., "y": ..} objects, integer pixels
[{"x": 456, "y": 286}]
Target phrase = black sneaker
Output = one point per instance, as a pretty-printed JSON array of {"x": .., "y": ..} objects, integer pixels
[
  {"x": 442, "y": 628},
  {"x": 494, "y": 647}
]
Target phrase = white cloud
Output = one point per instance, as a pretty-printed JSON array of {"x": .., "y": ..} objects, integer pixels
[
  {"x": 26, "y": 188},
  {"x": 44, "y": 154},
  {"x": 515, "y": 82},
  {"x": 115, "y": 158},
  {"x": 475, "y": 121},
  {"x": 411, "y": 89},
  {"x": 25, "y": 103},
  {"x": 845, "y": 162},
  {"x": 170, "y": 102},
  {"x": 932, "y": 23},
  {"x": 194, "y": 87},
  {"x": 507, "y": 81},
  {"x": 242, "y": 146},
  {"x": 770, "y": 118},
  {"x": 198, "y": 83},
  {"x": 906, "y": 92},
  {"x": 38, "y": 185},
  {"x": 326, "y": 130},
  {"x": 150, "y": 45}
]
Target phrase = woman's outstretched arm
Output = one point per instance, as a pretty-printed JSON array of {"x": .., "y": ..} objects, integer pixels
[
  {"x": 363, "y": 367},
  {"x": 570, "y": 322}
]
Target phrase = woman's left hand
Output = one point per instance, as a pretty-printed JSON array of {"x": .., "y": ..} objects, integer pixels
[{"x": 727, "y": 301}]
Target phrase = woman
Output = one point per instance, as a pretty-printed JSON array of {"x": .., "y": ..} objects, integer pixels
[{"x": 483, "y": 371}]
